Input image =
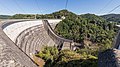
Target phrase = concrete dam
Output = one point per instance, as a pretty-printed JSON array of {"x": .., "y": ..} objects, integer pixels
[{"x": 20, "y": 38}]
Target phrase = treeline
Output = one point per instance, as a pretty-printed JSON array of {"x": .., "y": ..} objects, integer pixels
[
  {"x": 55, "y": 15},
  {"x": 58, "y": 15},
  {"x": 4, "y": 16},
  {"x": 29, "y": 16},
  {"x": 112, "y": 17}
]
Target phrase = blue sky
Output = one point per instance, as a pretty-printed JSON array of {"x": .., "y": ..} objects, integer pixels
[{"x": 11, "y": 7}]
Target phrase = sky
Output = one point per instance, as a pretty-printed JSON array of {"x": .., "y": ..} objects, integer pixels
[{"x": 99, "y": 7}]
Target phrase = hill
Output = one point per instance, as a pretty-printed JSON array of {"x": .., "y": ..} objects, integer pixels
[
  {"x": 87, "y": 27},
  {"x": 4, "y": 16},
  {"x": 54, "y": 15},
  {"x": 92, "y": 17},
  {"x": 23, "y": 16},
  {"x": 112, "y": 17}
]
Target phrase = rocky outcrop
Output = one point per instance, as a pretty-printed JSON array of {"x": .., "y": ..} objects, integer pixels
[
  {"x": 108, "y": 58},
  {"x": 111, "y": 57}
]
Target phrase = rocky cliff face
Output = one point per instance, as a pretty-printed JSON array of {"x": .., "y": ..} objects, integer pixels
[{"x": 109, "y": 58}]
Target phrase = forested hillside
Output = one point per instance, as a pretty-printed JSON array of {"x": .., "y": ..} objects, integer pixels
[
  {"x": 4, "y": 16},
  {"x": 54, "y": 15},
  {"x": 59, "y": 14},
  {"x": 112, "y": 17},
  {"x": 93, "y": 32},
  {"x": 92, "y": 17},
  {"x": 87, "y": 27}
]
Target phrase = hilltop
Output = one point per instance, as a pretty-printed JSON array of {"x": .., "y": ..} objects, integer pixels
[
  {"x": 112, "y": 17},
  {"x": 4, "y": 16},
  {"x": 66, "y": 13},
  {"x": 92, "y": 17},
  {"x": 54, "y": 15}
]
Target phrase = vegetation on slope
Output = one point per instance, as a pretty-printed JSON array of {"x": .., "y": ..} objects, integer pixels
[
  {"x": 67, "y": 58},
  {"x": 59, "y": 14},
  {"x": 54, "y": 15},
  {"x": 87, "y": 27},
  {"x": 23, "y": 16},
  {"x": 89, "y": 30},
  {"x": 92, "y": 17},
  {"x": 4, "y": 16},
  {"x": 112, "y": 17}
]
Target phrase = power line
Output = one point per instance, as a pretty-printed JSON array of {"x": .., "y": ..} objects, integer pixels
[
  {"x": 66, "y": 4},
  {"x": 114, "y": 9},
  {"x": 105, "y": 6},
  {"x": 37, "y": 5},
  {"x": 18, "y": 6},
  {"x": 7, "y": 8}
]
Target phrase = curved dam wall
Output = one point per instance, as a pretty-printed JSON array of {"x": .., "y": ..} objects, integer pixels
[
  {"x": 23, "y": 37},
  {"x": 10, "y": 54},
  {"x": 13, "y": 29},
  {"x": 29, "y": 35}
]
